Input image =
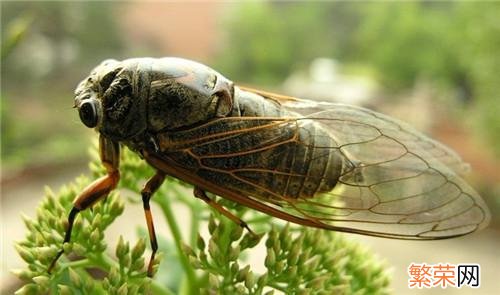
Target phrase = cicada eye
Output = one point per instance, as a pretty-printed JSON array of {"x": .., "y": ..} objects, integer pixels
[{"x": 88, "y": 113}]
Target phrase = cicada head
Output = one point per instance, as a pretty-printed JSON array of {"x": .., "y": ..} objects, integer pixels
[{"x": 106, "y": 101}]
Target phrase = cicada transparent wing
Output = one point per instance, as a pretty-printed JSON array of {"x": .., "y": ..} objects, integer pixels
[
  {"x": 333, "y": 166},
  {"x": 401, "y": 183},
  {"x": 313, "y": 109}
]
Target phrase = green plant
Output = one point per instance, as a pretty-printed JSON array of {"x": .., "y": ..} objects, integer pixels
[{"x": 299, "y": 260}]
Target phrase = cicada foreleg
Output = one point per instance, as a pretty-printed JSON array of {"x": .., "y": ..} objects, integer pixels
[
  {"x": 200, "y": 194},
  {"x": 149, "y": 189},
  {"x": 110, "y": 157}
]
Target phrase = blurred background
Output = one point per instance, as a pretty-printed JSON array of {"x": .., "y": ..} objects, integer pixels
[{"x": 434, "y": 65}]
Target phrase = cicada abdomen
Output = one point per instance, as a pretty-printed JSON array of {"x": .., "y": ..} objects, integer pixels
[{"x": 263, "y": 152}]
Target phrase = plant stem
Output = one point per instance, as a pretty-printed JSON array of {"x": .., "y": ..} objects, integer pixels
[
  {"x": 195, "y": 223},
  {"x": 103, "y": 260},
  {"x": 277, "y": 287},
  {"x": 159, "y": 289},
  {"x": 174, "y": 228},
  {"x": 77, "y": 263}
]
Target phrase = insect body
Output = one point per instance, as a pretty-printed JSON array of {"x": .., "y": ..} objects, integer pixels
[{"x": 322, "y": 165}]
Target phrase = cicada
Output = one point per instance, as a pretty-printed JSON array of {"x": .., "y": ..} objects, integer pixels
[{"x": 324, "y": 165}]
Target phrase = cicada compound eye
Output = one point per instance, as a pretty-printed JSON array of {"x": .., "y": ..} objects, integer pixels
[{"x": 88, "y": 113}]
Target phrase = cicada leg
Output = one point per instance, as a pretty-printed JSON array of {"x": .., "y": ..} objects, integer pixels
[
  {"x": 149, "y": 189},
  {"x": 97, "y": 190},
  {"x": 200, "y": 194}
]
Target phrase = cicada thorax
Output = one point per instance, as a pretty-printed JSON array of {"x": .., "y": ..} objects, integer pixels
[
  {"x": 260, "y": 150},
  {"x": 174, "y": 93},
  {"x": 173, "y": 105}
]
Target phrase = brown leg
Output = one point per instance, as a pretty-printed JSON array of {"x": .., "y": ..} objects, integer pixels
[
  {"x": 110, "y": 154},
  {"x": 200, "y": 194},
  {"x": 149, "y": 189}
]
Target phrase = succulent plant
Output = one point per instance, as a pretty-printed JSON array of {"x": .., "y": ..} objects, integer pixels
[{"x": 298, "y": 260}]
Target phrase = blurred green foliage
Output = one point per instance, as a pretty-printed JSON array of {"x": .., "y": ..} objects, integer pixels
[
  {"x": 47, "y": 47},
  {"x": 263, "y": 48},
  {"x": 452, "y": 43},
  {"x": 14, "y": 33}
]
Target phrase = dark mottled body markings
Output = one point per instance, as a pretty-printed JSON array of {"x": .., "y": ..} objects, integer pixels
[{"x": 262, "y": 158}]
